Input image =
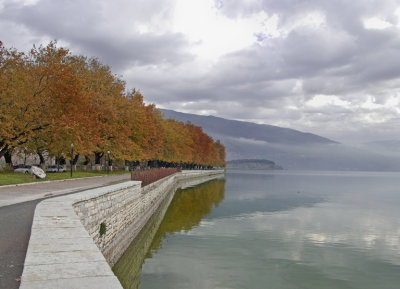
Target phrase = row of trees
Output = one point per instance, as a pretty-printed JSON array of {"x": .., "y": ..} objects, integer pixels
[{"x": 50, "y": 98}]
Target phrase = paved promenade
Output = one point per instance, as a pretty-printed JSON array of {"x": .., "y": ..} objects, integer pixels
[
  {"x": 14, "y": 194},
  {"x": 17, "y": 206}
]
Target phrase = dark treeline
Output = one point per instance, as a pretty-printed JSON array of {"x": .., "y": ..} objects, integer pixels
[{"x": 50, "y": 99}]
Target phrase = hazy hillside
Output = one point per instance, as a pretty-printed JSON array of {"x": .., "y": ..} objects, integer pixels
[
  {"x": 287, "y": 147},
  {"x": 248, "y": 130},
  {"x": 255, "y": 164}
]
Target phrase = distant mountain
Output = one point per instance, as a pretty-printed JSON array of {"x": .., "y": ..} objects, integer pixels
[
  {"x": 255, "y": 164},
  {"x": 247, "y": 130},
  {"x": 289, "y": 148}
]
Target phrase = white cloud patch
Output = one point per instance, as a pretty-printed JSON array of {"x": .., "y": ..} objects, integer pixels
[
  {"x": 213, "y": 34},
  {"x": 376, "y": 23},
  {"x": 320, "y": 100}
]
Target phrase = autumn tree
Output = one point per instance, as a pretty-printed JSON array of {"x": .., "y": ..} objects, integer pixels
[
  {"x": 50, "y": 98},
  {"x": 22, "y": 101},
  {"x": 177, "y": 146},
  {"x": 146, "y": 127},
  {"x": 65, "y": 101},
  {"x": 106, "y": 112}
]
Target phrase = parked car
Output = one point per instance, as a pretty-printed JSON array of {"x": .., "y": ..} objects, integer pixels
[
  {"x": 55, "y": 169},
  {"x": 23, "y": 170},
  {"x": 18, "y": 166}
]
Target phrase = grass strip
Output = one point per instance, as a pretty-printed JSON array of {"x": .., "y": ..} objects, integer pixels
[{"x": 11, "y": 178}]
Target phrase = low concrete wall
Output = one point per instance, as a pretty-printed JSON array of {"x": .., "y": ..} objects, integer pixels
[{"x": 66, "y": 248}]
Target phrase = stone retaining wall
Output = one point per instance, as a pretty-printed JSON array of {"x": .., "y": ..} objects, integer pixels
[{"x": 67, "y": 249}]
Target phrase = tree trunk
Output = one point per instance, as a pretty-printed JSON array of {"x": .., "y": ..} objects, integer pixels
[
  {"x": 75, "y": 160},
  {"x": 97, "y": 157},
  {"x": 7, "y": 157},
  {"x": 86, "y": 163},
  {"x": 60, "y": 161},
  {"x": 41, "y": 157},
  {"x": 4, "y": 149},
  {"x": 97, "y": 160},
  {"x": 87, "y": 160}
]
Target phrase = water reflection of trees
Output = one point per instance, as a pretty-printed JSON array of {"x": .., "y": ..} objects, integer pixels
[{"x": 185, "y": 211}]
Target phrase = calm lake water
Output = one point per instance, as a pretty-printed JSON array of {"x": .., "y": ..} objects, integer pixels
[{"x": 265, "y": 229}]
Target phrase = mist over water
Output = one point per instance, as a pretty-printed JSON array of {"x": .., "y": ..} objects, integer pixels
[
  {"x": 286, "y": 229},
  {"x": 337, "y": 157}
]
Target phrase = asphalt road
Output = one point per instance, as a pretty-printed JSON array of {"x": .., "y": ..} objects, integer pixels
[
  {"x": 16, "y": 219},
  {"x": 15, "y": 230}
]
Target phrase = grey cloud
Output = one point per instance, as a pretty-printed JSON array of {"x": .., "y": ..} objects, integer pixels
[
  {"x": 327, "y": 60},
  {"x": 137, "y": 50},
  {"x": 343, "y": 13},
  {"x": 302, "y": 54},
  {"x": 380, "y": 65},
  {"x": 95, "y": 29},
  {"x": 327, "y": 85},
  {"x": 308, "y": 52}
]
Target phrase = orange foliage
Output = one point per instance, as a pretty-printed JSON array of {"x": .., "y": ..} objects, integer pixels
[{"x": 50, "y": 98}]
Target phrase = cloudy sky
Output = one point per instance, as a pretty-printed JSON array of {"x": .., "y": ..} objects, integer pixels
[{"x": 331, "y": 67}]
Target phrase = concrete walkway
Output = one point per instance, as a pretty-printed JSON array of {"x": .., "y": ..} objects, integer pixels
[
  {"x": 17, "y": 206},
  {"x": 14, "y": 194}
]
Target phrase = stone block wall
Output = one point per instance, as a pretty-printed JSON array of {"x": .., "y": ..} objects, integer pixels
[
  {"x": 122, "y": 214},
  {"x": 108, "y": 211}
]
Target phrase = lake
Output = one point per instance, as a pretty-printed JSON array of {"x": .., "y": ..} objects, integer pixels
[{"x": 273, "y": 229}]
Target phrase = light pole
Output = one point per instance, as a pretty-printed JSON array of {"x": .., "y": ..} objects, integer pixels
[
  {"x": 72, "y": 156},
  {"x": 108, "y": 163}
]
